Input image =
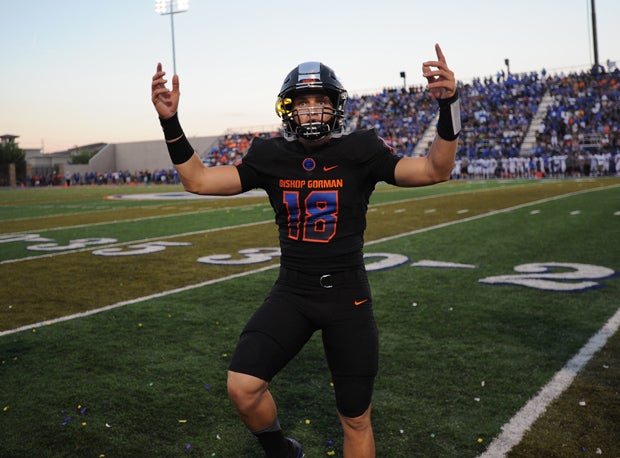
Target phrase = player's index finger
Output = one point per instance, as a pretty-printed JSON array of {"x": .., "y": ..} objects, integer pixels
[{"x": 440, "y": 55}]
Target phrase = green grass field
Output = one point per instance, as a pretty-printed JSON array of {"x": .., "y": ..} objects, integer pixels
[{"x": 118, "y": 319}]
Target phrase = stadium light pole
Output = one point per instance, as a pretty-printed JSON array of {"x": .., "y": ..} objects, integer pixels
[
  {"x": 172, "y": 7},
  {"x": 594, "y": 35}
]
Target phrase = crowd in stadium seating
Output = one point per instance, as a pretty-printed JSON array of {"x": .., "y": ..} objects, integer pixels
[
  {"x": 496, "y": 114},
  {"x": 585, "y": 114},
  {"x": 231, "y": 147},
  {"x": 400, "y": 117},
  {"x": 579, "y": 135},
  {"x": 162, "y": 176}
]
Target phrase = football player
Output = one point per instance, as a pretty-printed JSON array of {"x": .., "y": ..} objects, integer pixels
[{"x": 319, "y": 179}]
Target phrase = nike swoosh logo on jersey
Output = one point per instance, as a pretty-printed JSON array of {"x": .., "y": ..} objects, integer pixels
[
  {"x": 358, "y": 303},
  {"x": 327, "y": 169}
]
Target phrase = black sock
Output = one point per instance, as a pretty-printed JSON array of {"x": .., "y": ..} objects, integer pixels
[{"x": 272, "y": 440}]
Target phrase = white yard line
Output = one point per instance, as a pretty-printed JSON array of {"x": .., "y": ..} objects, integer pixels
[{"x": 513, "y": 431}]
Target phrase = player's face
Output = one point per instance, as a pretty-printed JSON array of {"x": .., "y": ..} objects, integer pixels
[{"x": 311, "y": 108}]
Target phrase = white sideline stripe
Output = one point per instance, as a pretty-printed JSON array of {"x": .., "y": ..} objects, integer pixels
[
  {"x": 513, "y": 431},
  {"x": 134, "y": 301}
]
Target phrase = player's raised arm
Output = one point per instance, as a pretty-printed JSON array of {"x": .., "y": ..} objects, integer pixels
[
  {"x": 196, "y": 178},
  {"x": 438, "y": 164}
]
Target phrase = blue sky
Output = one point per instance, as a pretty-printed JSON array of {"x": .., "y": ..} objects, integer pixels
[{"x": 76, "y": 72}]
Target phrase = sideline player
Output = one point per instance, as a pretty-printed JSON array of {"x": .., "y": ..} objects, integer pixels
[{"x": 319, "y": 180}]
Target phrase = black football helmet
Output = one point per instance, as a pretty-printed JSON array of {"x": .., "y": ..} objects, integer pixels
[{"x": 312, "y": 77}]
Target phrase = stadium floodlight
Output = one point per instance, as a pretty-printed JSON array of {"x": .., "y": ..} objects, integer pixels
[{"x": 172, "y": 7}]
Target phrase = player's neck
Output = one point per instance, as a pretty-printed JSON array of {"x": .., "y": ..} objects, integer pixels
[{"x": 311, "y": 145}]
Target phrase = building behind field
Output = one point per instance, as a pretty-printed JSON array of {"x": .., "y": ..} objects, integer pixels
[{"x": 148, "y": 155}]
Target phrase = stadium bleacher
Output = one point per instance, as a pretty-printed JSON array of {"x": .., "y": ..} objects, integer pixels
[{"x": 574, "y": 120}]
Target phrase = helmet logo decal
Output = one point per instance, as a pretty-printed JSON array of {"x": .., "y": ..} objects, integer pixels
[
  {"x": 308, "y": 164},
  {"x": 283, "y": 106}
]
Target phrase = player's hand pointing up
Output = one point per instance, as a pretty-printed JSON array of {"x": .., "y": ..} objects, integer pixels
[
  {"x": 166, "y": 101},
  {"x": 441, "y": 82}
]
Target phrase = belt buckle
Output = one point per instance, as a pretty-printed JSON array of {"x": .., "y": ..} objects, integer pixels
[{"x": 325, "y": 281}]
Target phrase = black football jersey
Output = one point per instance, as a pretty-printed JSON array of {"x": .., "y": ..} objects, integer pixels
[{"x": 320, "y": 197}]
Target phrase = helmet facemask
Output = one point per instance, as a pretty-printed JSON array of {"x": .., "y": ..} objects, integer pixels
[
  {"x": 311, "y": 121},
  {"x": 320, "y": 121}
]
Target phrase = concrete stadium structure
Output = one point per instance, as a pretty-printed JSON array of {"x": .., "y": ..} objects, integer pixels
[{"x": 142, "y": 155}]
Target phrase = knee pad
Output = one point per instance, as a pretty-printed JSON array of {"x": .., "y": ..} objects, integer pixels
[{"x": 353, "y": 395}]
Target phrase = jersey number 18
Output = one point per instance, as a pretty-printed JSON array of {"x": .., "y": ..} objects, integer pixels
[{"x": 316, "y": 220}]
